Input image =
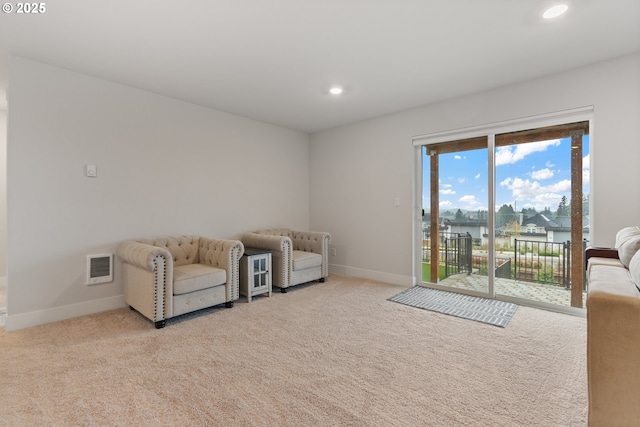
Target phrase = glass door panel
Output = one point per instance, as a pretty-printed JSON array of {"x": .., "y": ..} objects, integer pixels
[
  {"x": 540, "y": 229},
  {"x": 455, "y": 236}
]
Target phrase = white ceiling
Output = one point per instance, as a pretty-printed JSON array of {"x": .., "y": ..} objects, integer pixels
[{"x": 273, "y": 60}]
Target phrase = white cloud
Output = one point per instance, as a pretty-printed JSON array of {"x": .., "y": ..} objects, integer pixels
[
  {"x": 522, "y": 188},
  {"x": 550, "y": 200},
  {"x": 457, "y": 157},
  {"x": 529, "y": 192},
  {"x": 477, "y": 176},
  {"x": 542, "y": 174},
  {"x": 515, "y": 153},
  {"x": 445, "y": 204},
  {"x": 469, "y": 202},
  {"x": 560, "y": 186},
  {"x": 447, "y": 189}
]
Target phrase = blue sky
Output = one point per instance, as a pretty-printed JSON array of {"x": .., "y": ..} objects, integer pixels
[{"x": 534, "y": 175}]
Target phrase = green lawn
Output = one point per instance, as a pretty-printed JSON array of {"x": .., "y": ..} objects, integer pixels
[{"x": 426, "y": 272}]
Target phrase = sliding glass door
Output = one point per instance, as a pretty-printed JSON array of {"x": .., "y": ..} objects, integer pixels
[
  {"x": 455, "y": 221},
  {"x": 505, "y": 214}
]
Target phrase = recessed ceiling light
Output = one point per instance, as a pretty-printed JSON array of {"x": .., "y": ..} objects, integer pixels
[
  {"x": 555, "y": 11},
  {"x": 335, "y": 90}
]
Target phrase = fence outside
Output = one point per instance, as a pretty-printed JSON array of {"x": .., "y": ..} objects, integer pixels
[
  {"x": 530, "y": 261},
  {"x": 542, "y": 262}
]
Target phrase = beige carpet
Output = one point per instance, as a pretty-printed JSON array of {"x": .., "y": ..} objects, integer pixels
[{"x": 331, "y": 354}]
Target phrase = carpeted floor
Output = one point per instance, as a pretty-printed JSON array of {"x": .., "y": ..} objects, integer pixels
[{"x": 332, "y": 354}]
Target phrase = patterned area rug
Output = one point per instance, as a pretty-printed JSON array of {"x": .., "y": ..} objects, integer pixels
[{"x": 493, "y": 312}]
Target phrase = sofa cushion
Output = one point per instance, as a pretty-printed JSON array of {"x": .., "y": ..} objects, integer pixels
[
  {"x": 625, "y": 234},
  {"x": 634, "y": 269},
  {"x": 303, "y": 260},
  {"x": 194, "y": 277},
  {"x": 613, "y": 281},
  {"x": 596, "y": 261},
  {"x": 628, "y": 249}
]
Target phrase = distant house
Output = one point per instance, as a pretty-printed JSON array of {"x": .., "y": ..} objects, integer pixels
[
  {"x": 537, "y": 228},
  {"x": 477, "y": 228},
  {"x": 540, "y": 228}
]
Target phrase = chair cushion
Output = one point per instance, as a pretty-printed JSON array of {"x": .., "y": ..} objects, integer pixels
[
  {"x": 303, "y": 260},
  {"x": 194, "y": 277}
]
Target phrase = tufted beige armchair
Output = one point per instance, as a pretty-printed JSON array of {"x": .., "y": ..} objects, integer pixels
[
  {"x": 297, "y": 256},
  {"x": 168, "y": 276}
]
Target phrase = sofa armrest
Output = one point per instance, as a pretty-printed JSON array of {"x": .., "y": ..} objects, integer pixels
[
  {"x": 281, "y": 257},
  {"x": 266, "y": 241},
  {"x": 224, "y": 254},
  {"x": 148, "y": 279},
  {"x": 142, "y": 255},
  {"x": 599, "y": 252},
  {"x": 613, "y": 344}
]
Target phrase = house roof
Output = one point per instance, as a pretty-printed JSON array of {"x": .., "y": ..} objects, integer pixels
[
  {"x": 539, "y": 220},
  {"x": 562, "y": 223},
  {"x": 275, "y": 61}
]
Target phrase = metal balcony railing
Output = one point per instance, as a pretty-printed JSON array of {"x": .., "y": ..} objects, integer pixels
[{"x": 528, "y": 261}]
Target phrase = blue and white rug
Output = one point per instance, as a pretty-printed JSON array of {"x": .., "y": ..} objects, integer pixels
[{"x": 493, "y": 312}]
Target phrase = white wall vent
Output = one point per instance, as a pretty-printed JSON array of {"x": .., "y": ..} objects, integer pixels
[{"x": 99, "y": 268}]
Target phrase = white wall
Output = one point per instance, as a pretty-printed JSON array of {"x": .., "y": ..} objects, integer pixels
[
  {"x": 3, "y": 196},
  {"x": 357, "y": 171},
  {"x": 165, "y": 167}
]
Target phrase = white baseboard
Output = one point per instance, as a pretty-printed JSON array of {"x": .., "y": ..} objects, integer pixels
[
  {"x": 40, "y": 317},
  {"x": 362, "y": 273}
]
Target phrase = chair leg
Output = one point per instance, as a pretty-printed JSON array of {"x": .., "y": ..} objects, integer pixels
[
  {"x": 161, "y": 324},
  {"x": 229, "y": 304}
]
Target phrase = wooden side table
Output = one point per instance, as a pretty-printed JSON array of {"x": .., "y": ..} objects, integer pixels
[{"x": 255, "y": 272}]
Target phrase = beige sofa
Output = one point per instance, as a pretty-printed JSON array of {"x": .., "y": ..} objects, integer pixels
[
  {"x": 297, "y": 256},
  {"x": 613, "y": 331},
  {"x": 168, "y": 276}
]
